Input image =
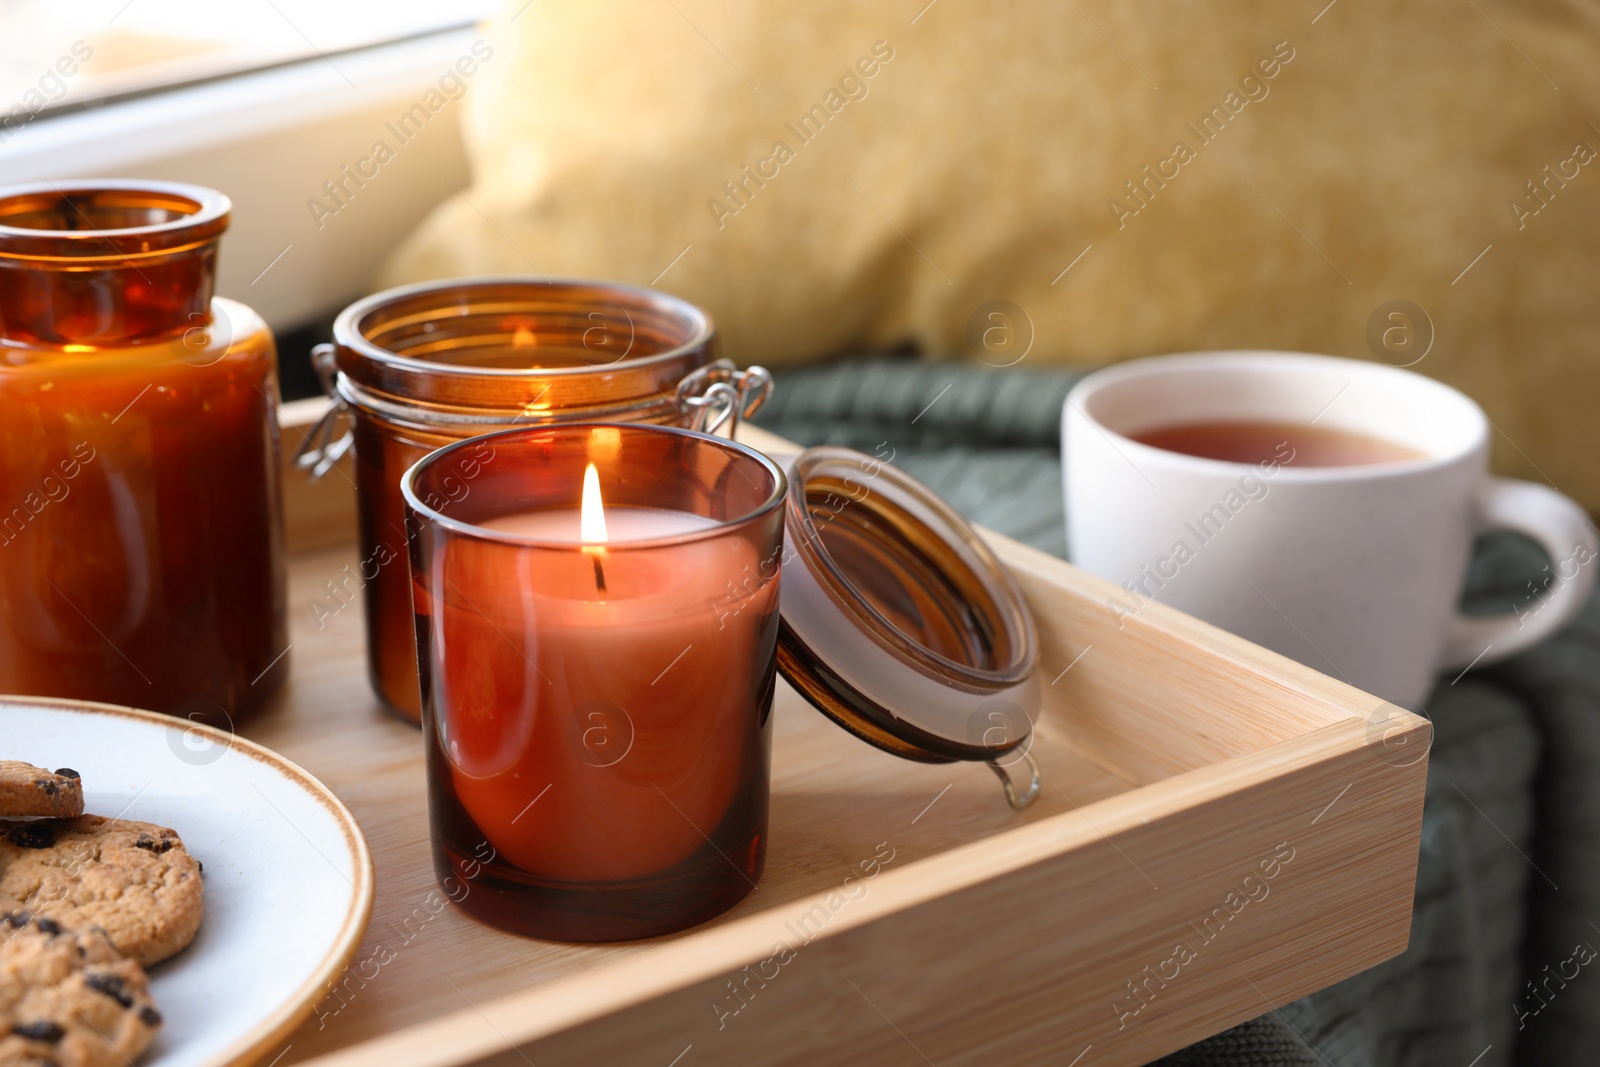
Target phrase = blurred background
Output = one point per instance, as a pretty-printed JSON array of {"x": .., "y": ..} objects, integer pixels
[
  {"x": 1021, "y": 187},
  {"x": 1028, "y": 187}
]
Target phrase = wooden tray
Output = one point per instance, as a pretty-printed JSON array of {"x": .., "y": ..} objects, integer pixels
[{"x": 1221, "y": 831}]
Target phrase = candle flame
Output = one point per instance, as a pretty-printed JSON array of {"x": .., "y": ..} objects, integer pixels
[{"x": 592, "y": 516}]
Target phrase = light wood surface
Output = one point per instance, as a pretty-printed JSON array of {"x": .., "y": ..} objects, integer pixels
[{"x": 1176, "y": 759}]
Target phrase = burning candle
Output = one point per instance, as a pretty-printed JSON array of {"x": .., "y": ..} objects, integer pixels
[
  {"x": 610, "y": 629},
  {"x": 597, "y": 678}
]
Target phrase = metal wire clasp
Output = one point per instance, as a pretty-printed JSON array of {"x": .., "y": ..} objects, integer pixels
[
  {"x": 721, "y": 394},
  {"x": 1017, "y": 800},
  {"x": 319, "y": 451}
]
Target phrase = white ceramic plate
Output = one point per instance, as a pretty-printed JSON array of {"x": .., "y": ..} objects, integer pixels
[{"x": 288, "y": 878}]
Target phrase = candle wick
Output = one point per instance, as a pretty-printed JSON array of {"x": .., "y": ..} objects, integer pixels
[{"x": 599, "y": 574}]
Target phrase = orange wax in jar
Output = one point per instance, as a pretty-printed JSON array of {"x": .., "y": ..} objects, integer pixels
[
  {"x": 606, "y": 760},
  {"x": 140, "y": 526}
]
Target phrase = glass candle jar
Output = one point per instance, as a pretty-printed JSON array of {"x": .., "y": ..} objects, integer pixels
[
  {"x": 423, "y": 366},
  {"x": 597, "y": 675},
  {"x": 141, "y": 545}
]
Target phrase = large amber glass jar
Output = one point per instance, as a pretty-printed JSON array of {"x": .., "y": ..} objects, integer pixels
[
  {"x": 423, "y": 366},
  {"x": 141, "y": 545}
]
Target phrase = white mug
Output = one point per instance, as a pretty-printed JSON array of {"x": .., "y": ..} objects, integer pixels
[{"x": 1356, "y": 571}]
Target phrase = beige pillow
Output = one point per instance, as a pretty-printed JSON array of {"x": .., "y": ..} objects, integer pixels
[{"x": 1082, "y": 182}]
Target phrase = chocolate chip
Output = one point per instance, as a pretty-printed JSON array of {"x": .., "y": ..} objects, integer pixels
[
  {"x": 111, "y": 985},
  {"x": 47, "y": 786},
  {"x": 17, "y": 919},
  {"x": 151, "y": 844},
  {"x": 67, "y": 772},
  {"x": 149, "y": 1016},
  {"x": 44, "y": 1030},
  {"x": 32, "y": 835},
  {"x": 49, "y": 926}
]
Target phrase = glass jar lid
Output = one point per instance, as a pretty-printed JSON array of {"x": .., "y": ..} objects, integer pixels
[{"x": 899, "y": 622}]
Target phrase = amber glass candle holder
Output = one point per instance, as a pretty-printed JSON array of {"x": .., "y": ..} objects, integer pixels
[
  {"x": 419, "y": 367},
  {"x": 597, "y": 702},
  {"x": 141, "y": 544}
]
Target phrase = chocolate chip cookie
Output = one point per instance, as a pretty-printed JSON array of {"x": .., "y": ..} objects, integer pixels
[
  {"x": 69, "y": 998},
  {"x": 135, "y": 880},
  {"x": 29, "y": 790}
]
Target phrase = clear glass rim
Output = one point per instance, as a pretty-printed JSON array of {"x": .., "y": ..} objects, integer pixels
[
  {"x": 1012, "y": 615},
  {"x": 202, "y": 215},
  {"x": 433, "y": 515},
  {"x": 349, "y": 332}
]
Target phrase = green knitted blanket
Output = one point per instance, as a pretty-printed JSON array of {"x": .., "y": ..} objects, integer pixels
[{"x": 1513, "y": 800}]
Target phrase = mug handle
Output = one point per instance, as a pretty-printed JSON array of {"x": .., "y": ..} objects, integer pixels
[{"x": 1563, "y": 530}]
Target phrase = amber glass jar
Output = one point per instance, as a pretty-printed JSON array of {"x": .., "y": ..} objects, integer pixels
[
  {"x": 141, "y": 535},
  {"x": 423, "y": 366},
  {"x": 610, "y": 681}
]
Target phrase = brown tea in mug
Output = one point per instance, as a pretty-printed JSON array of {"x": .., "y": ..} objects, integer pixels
[{"x": 1293, "y": 444}]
